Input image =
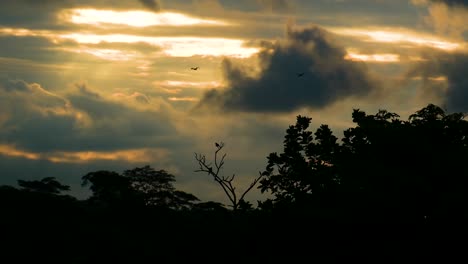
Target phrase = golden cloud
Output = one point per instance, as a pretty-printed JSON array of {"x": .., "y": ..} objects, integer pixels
[{"x": 132, "y": 155}]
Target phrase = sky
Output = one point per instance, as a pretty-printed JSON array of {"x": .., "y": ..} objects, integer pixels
[{"x": 89, "y": 85}]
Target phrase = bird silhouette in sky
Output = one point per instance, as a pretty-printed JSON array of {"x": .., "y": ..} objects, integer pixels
[
  {"x": 300, "y": 74},
  {"x": 194, "y": 68}
]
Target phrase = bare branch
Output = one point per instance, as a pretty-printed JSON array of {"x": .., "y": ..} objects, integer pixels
[
  {"x": 251, "y": 185},
  {"x": 226, "y": 182}
]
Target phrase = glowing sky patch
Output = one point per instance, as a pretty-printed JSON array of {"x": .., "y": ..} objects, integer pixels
[
  {"x": 399, "y": 36},
  {"x": 186, "y": 84},
  {"x": 135, "y": 18},
  {"x": 174, "y": 46},
  {"x": 24, "y": 32},
  {"x": 183, "y": 99},
  {"x": 438, "y": 78},
  {"x": 133, "y": 155},
  {"x": 11, "y": 151},
  {"x": 431, "y": 78},
  {"x": 372, "y": 57},
  {"x": 139, "y": 155},
  {"x": 107, "y": 54}
]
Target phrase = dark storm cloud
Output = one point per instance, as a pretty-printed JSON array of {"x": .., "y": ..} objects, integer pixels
[
  {"x": 327, "y": 76},
  {"x": 151, "y": 4},
  {"x": 25, "y": 47},
  {"x": 452, "y": 2},
  {"x": 276, "y": 6},
  {"x": 454, "y": 68},
  {"x": 39, "y": 121}
]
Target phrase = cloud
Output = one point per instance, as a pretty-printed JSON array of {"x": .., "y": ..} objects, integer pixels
[
  {"x": 276, "y": 6},
  {"x": 448, "y": 20},
  {"x": 452, "y": 2},
  {"x": 447, "y": 17},
  {"x": 452, "y": 66},
  {"x": 45, "y": 133},
  {"x": 36, "y": 120},
  {"x": 327, "y": 77},
  {"x": 151, "y": 4}
]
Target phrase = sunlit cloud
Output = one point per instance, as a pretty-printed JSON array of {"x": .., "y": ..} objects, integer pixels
[
  {"x": 174, "y": 46},
  {"x": 11, "y": 151},
  {"x": 171, "y": 46},
  {"x": 372, "y": 57},
  {"x": 416, "y": 58},
  {"x": 134, "y": 155},
  {"x": 432, "y": 78},
  {"x": 399, "y": 36},
  {"x": 106, "y": 54},
  {"x": 183, "y": 99},
  {"x": 138, "y": 155},
  {"x": 176, "y": 87},
  {"x": 186, "y": 84},
  {"x": 135, "y": 18},
  {"x": 438, "y": 78},
  {"x": 24, "y": 32}
]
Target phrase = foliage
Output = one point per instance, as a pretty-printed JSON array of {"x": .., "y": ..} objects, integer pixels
[
  {"x": 384, "y": 168},
  {"x": 143, "y": 186},
  {"x": 47, "y": 185},
  {"x": 306, "y": 168}
]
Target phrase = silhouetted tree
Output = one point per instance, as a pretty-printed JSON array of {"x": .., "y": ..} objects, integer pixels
[
  {"x": 109, "y": 187},
  {"x": 156, "y": 188},
  {"x": 385, "y": 168},
  {"x": 47, "y": 185},
  {"x": 406, "y": 168},
  {"x": 139, "y": 186},
  {"x": 226, "y": 182},
  {"x": 210, "y": 206},
  {"x": 305, "y": 172}
]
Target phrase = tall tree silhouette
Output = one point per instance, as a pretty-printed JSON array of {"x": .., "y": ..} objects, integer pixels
[
  {"x": 305, "y": 172},
  {"x": 409, "y": 169},
  {"x": 156, "y": 188},
  {"x": 142, "y": 186},
  {"x": 109, "y": 188},
  {"x": 386, "y": 169}
]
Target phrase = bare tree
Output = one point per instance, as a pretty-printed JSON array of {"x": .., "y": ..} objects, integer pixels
[{"x": 226, "y": 183}]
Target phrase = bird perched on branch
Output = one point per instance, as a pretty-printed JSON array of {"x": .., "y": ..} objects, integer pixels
[{"x": 216, "y": 144}]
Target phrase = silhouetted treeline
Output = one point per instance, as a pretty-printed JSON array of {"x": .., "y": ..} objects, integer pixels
[{"x": 387, "y": 186}]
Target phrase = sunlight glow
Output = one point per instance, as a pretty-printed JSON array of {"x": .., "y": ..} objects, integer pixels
[
  {"x": 175, "y": 46},
  {"x": 23, "y": 32},
  {"x": 86, "y": 156},
  {"x": 186, "y": 84},
  {"x": 432, "y": 78},
  {"x": 372, "y": 57},
  {"x": 176, "y": 87},
  {"x": 106, "y": 54},
  {"x": 133, "y": 155},
  {"x": 135, "y": 18},
  {"x": 399, "y": 36},
  {"x": 11, "y": 151},
  {"x": 183, "y": 99},
  {"x": 438, "y": 79}
]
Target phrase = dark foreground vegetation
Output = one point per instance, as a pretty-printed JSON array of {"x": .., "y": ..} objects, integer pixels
[{"x": 391, "y": 191}]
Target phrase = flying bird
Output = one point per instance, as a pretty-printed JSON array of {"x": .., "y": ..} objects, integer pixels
[
  {"x": 194, "y": 68},
  {"x": 300, "y": 74}
]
